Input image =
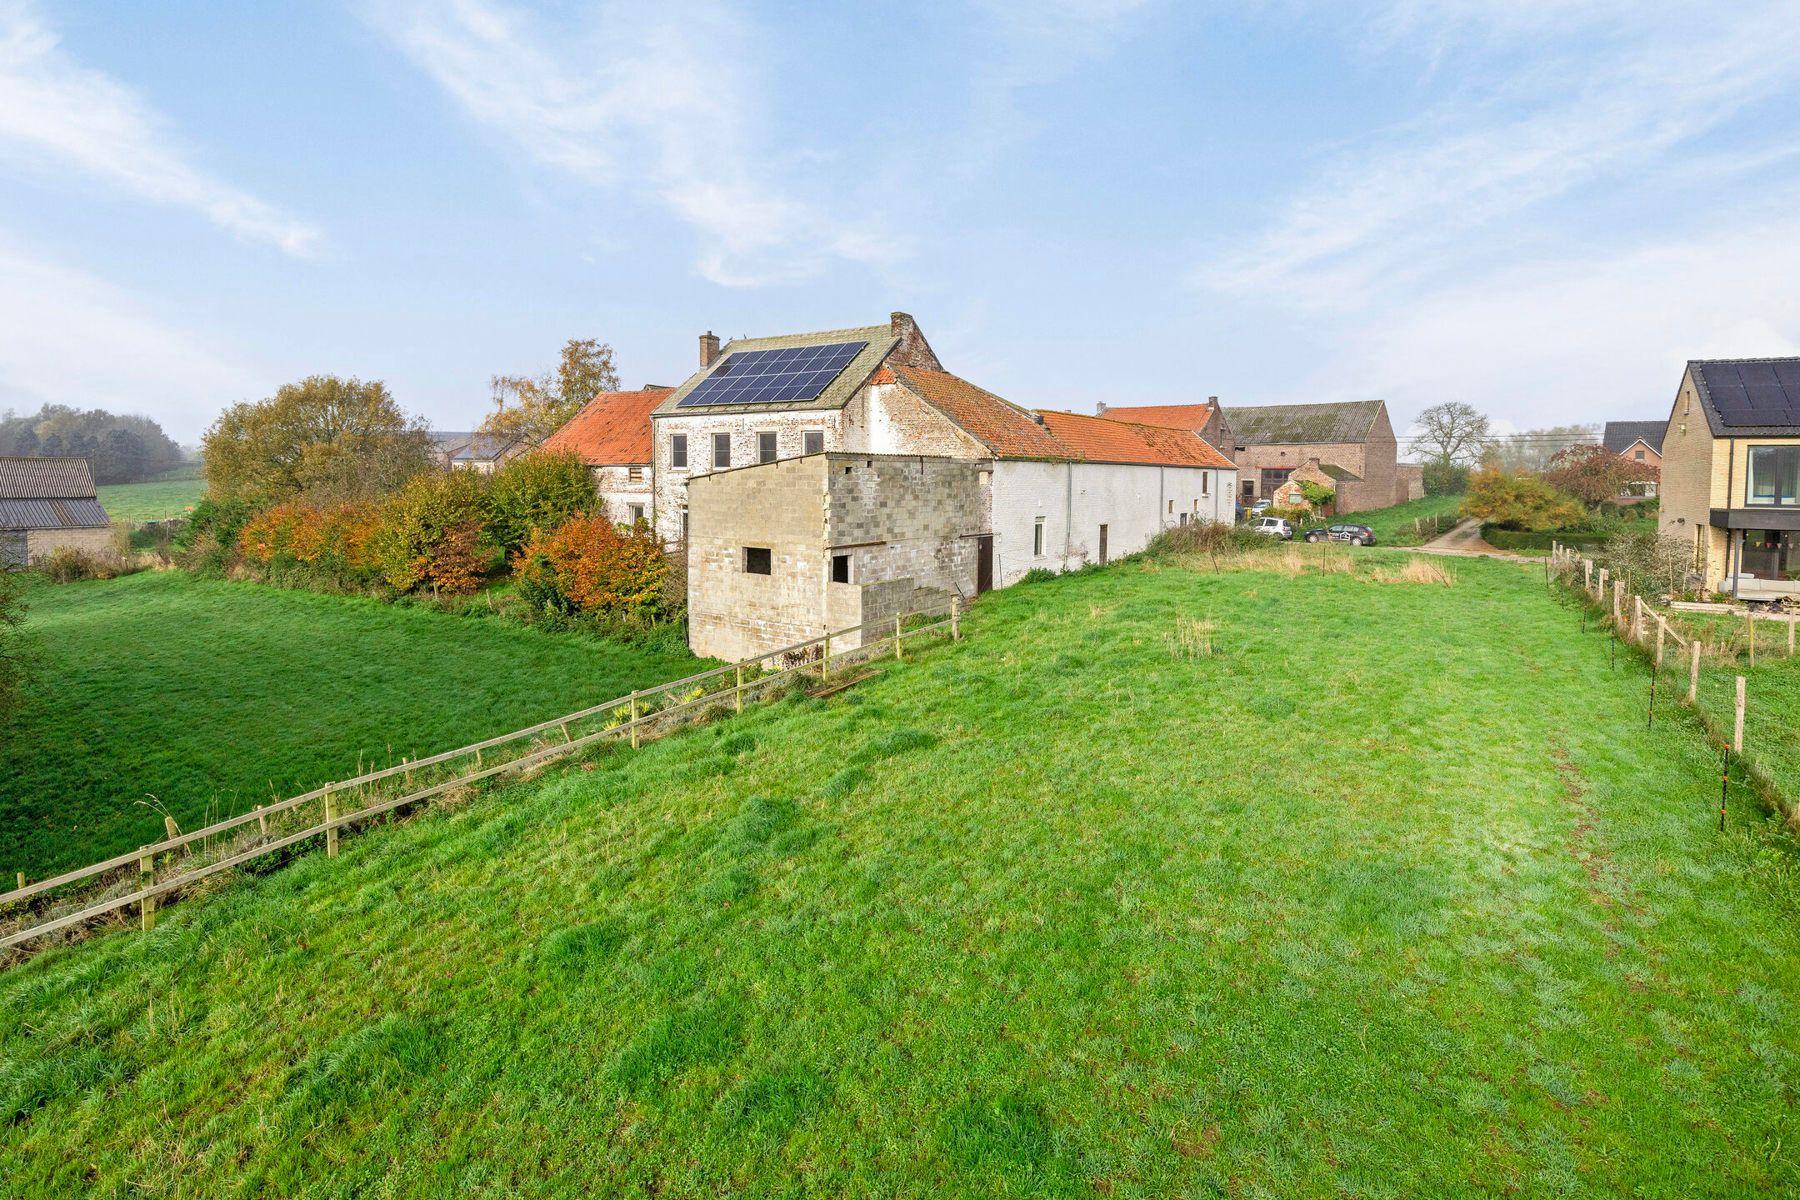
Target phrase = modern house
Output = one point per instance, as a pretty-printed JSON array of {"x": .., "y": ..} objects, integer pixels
[
  {"x": 611, "y": 434},
  {"x": 826, "y": 480},
  {"x": 1637, "y": 442},
  {"x": 47, "y": 504},
  {"x": 1731, "y": 474}
]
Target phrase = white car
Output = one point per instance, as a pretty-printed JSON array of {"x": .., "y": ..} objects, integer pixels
[{"x": 1275, "y": 527}]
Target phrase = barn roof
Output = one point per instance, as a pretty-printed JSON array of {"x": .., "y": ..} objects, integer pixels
[
  {"x": 612, "y": 429},
  {"x": 74, "y": 513},
  {"x": 1102, "y": 439},
  {"x": 1003, "y": 427},
  {"x": 1621, "y": 436},
  {"x": 45, "y": 478},
  {"x": 1302, "y": 424}
]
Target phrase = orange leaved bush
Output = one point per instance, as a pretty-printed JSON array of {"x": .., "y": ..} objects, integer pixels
[
  {"x": 335, "y": 537},
  {"x": 589, "y": 565}
]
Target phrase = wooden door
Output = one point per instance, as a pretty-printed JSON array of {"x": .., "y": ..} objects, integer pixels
[{"x": 984, "y": 563}]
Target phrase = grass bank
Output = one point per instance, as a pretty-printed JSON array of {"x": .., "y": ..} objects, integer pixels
[
  {"x": 1166, "y": 882},
  {"x": 210, "y": 696},
  {"x": 1395, "y": 526}
]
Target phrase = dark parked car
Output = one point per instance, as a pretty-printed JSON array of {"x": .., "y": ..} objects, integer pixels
[{"x": 1356, "y": 535}]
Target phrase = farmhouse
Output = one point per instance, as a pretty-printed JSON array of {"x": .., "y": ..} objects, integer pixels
[
  {"x": 611, "y": 434},
  {"x": 47, "y": 504},
  {"x": 1637, "y": 442},
  {"x": 1326, "y": 475},
  {"x": 1731, "y": 474},
  {"x": 1271, "y": 442},
  {"x": 785, "y": 550}
]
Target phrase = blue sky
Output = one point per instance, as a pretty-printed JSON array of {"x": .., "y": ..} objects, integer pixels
[{"x": 1542, "y": 207}]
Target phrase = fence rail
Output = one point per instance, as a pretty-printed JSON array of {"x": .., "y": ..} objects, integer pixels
[{"x": 644, "y": 711}]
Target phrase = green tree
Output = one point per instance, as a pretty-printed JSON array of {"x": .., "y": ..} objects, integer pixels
[
  {"x": 535, "y": 493},
  {"x": 333, "y": 440},
  {"x": 430, "y": 535},
  {"x": 530, "y": 409},
  {"x": 15, "y": 659}
]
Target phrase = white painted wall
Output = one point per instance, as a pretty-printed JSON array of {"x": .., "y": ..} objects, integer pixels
[{"x": 1075, "y": 499}]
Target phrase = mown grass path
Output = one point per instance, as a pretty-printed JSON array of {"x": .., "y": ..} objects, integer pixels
[
  {"x": 211, "y": 696},
  {"x": 1392, "y": 895}
]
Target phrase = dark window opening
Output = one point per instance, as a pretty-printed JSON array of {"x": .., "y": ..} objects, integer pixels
[
  {"x": 765, "y": 447},
  {"x": 757, "y": 560},
  {"x": 635, "y": 512},
  {"x": 813, "y": 441},
  {"x": 840, "y": 568},
  {"x": 1274, "y": 477},
  {"x": 1249, "y": 487},
  {"x": 678, "y": 451},
  {"x": 721, "y": 450}
]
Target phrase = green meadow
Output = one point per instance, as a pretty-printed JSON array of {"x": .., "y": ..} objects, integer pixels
[
  {"x": 163, "y": 692},
  {"x": 1300, "y": 880},
  {"x": 170, "y": 494}
]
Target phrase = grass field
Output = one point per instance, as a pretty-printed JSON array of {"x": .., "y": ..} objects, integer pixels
[
  {"x": 170, "y": 494},
  {"x": 1389, "y": 894},
  {"x": 210, "y": 696}
]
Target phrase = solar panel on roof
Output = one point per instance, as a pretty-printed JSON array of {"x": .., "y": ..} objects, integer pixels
[
  {"x": 789, "y": 375},
  {"x": 1750, "y": 394}
]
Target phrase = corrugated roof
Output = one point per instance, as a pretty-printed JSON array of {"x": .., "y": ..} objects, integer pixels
[
  {"x": 71, "y": 513},
  {"x": 612, "y": 429},
  {"x": 1300, "y": 424},
  {"x": 1620, "y": 436},
  {"x": 45, "y": 478},
  {"x": 1169, "y": 416},
  {"x": 1749, "y": 397},
  {"x": 879, "y": 339},
  {"x": 1007, "y": 430},
  {"x": 1102, "y": 439}
]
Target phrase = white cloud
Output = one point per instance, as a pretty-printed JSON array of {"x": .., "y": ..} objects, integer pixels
[
  {"x": 644, "y": 97},
  {"x": 1593, "y": 338},
  {"x": 1416, "y": 199},
  {"x": 55, "y": 111},
  {"x": 71, "y": 339}
]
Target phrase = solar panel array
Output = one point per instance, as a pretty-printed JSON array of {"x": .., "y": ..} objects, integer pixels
[
  {"x": 1755, "y": 393},
  {"x": 785, "y": 376}
]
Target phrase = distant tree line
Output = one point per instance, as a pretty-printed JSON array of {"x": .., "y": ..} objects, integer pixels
[{"x": 119, "y": 449}]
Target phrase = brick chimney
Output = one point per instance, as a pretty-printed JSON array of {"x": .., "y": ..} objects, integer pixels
[
  {"x": 912, "y": 350},
  {"x": 1213, "y": 400},
  {"x": 709, "y": 349}
]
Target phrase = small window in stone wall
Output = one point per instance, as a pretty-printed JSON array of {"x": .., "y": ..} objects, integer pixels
[
  {"x": 1171, "y": 508},
  {"x": 1037, "y": 538},
  {"x": 765, "y": 447},
  {"x": 721, "y": 450},
  {"x": 634, "y": 474},
  {"x": 757, "y": 560},
  {"x": 634, "y": 513},
  {"x": 678, "y": 451},
  {"x": 1205, "y": 487},
  {"x": 840, "y": 568},
  {"x": 813, "y": 441}
]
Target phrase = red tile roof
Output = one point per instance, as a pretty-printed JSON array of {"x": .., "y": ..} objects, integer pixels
[
  {"x": 1009, "y": 431},
  {"x": 1102, "y": 439},
  {"x": 1168, "y": 416},
  {"x": 1006, "y": 429},
  {"x": 612, "y": 429}
]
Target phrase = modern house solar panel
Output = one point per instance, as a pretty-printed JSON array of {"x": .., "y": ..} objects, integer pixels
[
  {"x": 1751, "y": 394},
  {"x": 785, "y": 376}
]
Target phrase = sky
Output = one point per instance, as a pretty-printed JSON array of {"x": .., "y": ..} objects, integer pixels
[{"x": 1539, "y": 207}]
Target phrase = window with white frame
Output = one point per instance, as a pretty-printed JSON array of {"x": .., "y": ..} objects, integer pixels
[
  {"x": 678, "y": 451},
  {"x": 1037, "y": 538}
]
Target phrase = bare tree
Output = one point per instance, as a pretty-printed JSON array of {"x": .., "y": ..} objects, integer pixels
[
  {"x": 1452, "y": 432},
  {"x": 1533, "y": 449}
]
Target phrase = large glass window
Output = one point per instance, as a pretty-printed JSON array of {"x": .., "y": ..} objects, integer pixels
[{"x": 1775, "y": 475}]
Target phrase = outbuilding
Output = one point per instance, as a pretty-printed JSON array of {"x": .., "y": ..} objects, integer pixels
[{"x": 47, "y": 504}]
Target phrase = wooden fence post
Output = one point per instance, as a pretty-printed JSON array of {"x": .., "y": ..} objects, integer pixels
[
  {"x": 634, "y": 720},
  {"x": 739, "y": 690},
  {"x": 1752, "y": 621},
  {"x": 1737, "y": 728},
  {"x": 330, "y": 829},
  {"x": 262, "y": 822},
  {"x": 1600, "y": 588},
  {"x": 956, "y": 628},
  {"x": 897, "y": 655},
  {"x": 1587, "y": 575},
  {"x": 1694, "y": 671},
  {"x": 21, "y": 880},
  {"x": 1618, "y": 598},
  {"x": 825, "y": 671},
  {"x": 1661, "y": 631},
  {"x": 147, "y": 876}
]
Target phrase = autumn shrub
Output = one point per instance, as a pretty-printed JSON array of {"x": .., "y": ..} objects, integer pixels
[
  {"x": 535, "y": 493},
  {"x": 333, "y": 542},
  {"x": 589, "y": 566},
  {"x": 67, "y": 564},
  {"x": 1520, "y": 501},
  {"x": 430, "y": 536}
]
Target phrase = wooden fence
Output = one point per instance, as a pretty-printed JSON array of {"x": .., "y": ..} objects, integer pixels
[
  {"x": 144, "y": 876},
  {"x": 1639, "y": 624}
]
